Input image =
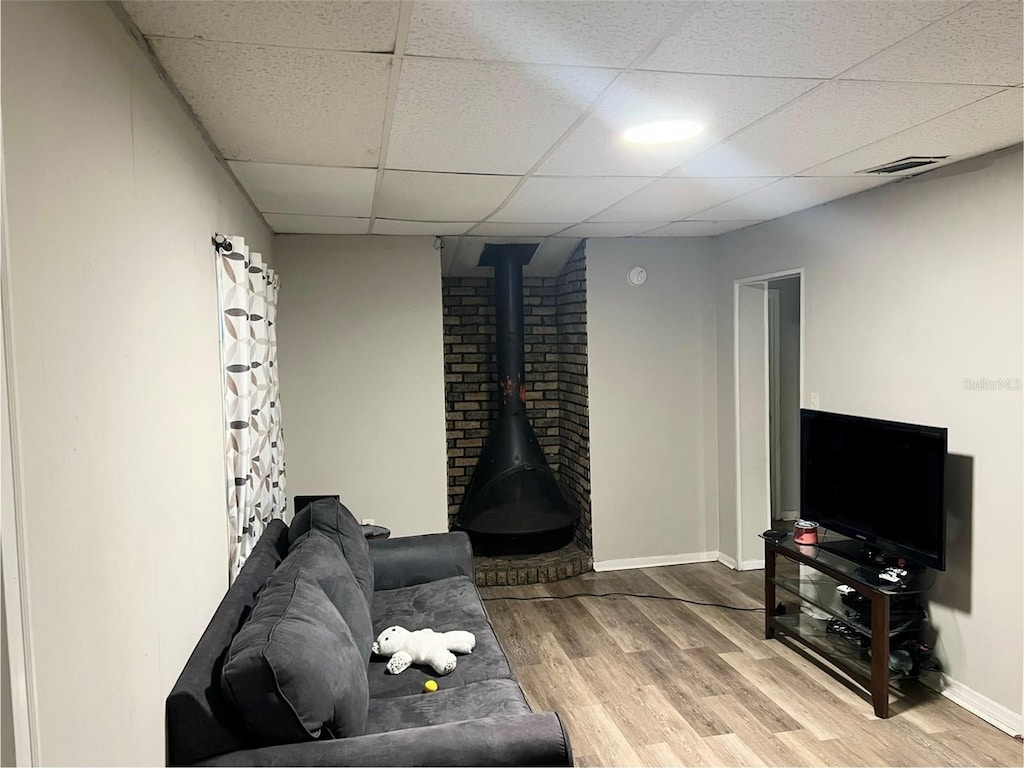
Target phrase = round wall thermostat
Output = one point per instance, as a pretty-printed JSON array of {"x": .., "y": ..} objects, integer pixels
[{"x": 637, "y": 276}]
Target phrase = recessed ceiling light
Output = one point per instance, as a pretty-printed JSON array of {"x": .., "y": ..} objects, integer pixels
[{"x": 663, "y": 132}]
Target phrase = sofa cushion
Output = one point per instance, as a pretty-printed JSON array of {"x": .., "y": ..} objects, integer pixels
[
  {"x": 293, "y": 671},
  {"x": 200, "y": 721},
  {"x": 441, "y": 605},
  {"x": 490, "y": 698},
  {"x": 332, "y": 518},
  {"x": 318, "y": 558}
]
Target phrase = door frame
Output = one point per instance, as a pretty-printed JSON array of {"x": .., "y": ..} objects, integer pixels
[
  {"x": 743, "y": 564},
  {"x": 21, "y": 677}
]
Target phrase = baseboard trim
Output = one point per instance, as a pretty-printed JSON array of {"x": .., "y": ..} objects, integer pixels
[
  {"x": 727, "y": 561},
  {"x": 1002, "y": 717},
  {"x": 746, "y": 565},
  {"x": 652, "y": 562}
]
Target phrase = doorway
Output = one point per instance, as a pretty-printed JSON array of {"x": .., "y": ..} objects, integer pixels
[{"x": 768, "y": 370}]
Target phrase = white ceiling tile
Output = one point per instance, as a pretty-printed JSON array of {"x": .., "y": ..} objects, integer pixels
[
  {"x": 548, "y": 199},
  {"x": 723, "y": 104},
  {"x": 348, "y": 26},
  {"x": 700, "y": 228},
  {"x": 517, "y": 229},
  {"x": 788, "y": 196},
  {"x": 981, "y": 44},
  {"x": 282, "y": 105},
  {"x": 308, "y": 189},
  {"x": 601, "y": 34},
  {"x": 472, "y": 117},
  {"x": 441, "y": 196},
  {"x": 436, "y": 228},
  {"x": 551, "y": 257},
  {"x": 789, "y": 38},
  {"x": 292, "y": 223},
  {"x": 835, "y": 118},
  {"x": 607, "y": 229},
  {"x": 976, "y": 129},
  {"x": 673, "y": 199}
]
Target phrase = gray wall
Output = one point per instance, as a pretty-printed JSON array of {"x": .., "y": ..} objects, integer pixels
[
  {"x": 789, "y": 391},
  {"x": 909, "y": 290},
  {"x": 362, "y": 375},
  {"x": 112, "y": 199},
  {"x": 652, "y": 394}
]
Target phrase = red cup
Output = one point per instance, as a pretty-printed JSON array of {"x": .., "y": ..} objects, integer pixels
[{"x": 805, "y": 532}]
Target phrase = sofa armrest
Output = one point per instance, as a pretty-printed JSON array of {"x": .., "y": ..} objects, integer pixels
[
  {"x": 537, "y": 739},
  {"x": 411, "y": 560}
]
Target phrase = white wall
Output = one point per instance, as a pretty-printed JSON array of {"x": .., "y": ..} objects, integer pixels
[
  {"x": 910, "y": 289},
  {"x": 362, "y": 376},
  {"x": 112, "y": 199},
  {"x": 652, "y": 393}
]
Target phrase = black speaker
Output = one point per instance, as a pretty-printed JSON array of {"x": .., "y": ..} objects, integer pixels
[{"x": 301, "y": 502}]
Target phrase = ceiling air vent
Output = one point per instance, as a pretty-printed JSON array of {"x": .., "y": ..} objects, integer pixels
[{"x": 905, "y": 164}]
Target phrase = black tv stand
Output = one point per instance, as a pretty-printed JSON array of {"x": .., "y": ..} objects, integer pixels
[{"x": 853, "y": 634}]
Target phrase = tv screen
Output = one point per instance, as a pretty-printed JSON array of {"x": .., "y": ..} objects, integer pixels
[{"x": 880, "y": 482}]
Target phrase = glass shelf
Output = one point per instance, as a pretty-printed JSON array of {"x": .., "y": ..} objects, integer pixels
[
  {"x": 916, "y": 582},
  {"x": 844, "y": 652},
  {"x": 805, "y": 589}
]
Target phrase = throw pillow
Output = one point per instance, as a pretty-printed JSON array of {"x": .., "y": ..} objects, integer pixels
[
  {"x": 293, "y": 671},
  {"x": 318, "y": 558},
  {"x": 332, "y": 518}
]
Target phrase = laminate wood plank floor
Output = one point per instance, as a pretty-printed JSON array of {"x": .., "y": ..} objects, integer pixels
[{"x": 660, "y": 683}]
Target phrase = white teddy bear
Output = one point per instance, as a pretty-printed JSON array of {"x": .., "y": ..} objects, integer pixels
[{"x": 424, "y": 646}]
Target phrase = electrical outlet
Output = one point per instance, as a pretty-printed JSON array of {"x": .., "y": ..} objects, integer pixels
[
  {"x": 814, "y": 399},
  {"x": 369, "y": 521}
]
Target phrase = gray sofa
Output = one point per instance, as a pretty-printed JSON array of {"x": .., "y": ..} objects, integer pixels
[{"x": 283, "y": 674}]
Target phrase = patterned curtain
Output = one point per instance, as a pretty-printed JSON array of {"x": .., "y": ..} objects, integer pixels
[{"x": 254, "y": 444}]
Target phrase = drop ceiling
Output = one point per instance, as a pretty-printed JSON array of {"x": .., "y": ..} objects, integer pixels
[{"x": 502, "y": 119}]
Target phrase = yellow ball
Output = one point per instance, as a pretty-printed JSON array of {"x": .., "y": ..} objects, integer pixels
[{"x": 430, "y": 686}]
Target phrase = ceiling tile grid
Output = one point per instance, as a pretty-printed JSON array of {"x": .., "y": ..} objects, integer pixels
[
  {"x": 668, "y": 200},
  {"x": 700, "y": 228},
  {"x": 546, "y": 199},
  {"x": 787, "y": 196},
  {"x": 984, "y": 126},
  {"x": 790, "y": 38},
  {"x": 331, "y": 25},
  {"x": 587, "y": 34},
  {"x": 480, "y": 117},
  {"x": 441, "y": 196},
  {"x": 505, "y": 117},
  {"x": 518, "y": 228},
  {"x": 833, "y": 119},
  {"x": 309, "y": 189},
  {"x": 283, "y": 105},
  {"x": 723, "y": 105},
  {"x": 298, "y": 224},
  {"x": 398, "y": 227},
  {"x": 609, "y": 229},
  {"x": 980, "y": 44}
]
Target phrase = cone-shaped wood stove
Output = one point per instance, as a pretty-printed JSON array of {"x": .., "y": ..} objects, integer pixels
[{"x": 513, "y": 504}]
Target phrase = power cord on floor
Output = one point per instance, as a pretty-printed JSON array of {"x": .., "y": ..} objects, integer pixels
[{"x": 626, "y": 594}]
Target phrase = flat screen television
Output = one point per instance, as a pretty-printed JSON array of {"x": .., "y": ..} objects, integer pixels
[{"x": 878, "y": 482}]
